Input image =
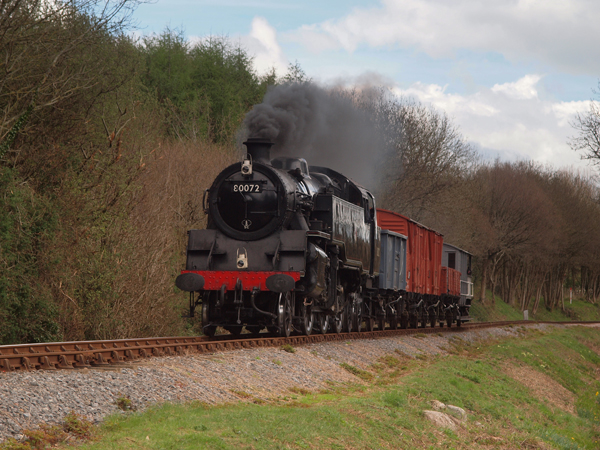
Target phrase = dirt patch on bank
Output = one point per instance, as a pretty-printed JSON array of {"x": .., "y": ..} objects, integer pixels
[{"x": 543, "y": 387}]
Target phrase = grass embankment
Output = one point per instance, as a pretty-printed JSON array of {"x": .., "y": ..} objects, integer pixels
[
  {"x": 499, "y": 310},
  {"x": 539, "y": 390}
]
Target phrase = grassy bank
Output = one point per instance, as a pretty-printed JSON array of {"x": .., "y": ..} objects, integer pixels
[
  {"x": 499, "y": 310},
  {"x": 539, "y": 390}
]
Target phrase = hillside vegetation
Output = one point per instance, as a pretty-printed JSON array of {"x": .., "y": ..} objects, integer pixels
[
  {"x": 498, "y": 310},
  {"x": 107, "y": 144}
]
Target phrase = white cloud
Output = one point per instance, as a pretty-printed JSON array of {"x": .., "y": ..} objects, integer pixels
[
  {"x": 436, "y": 95},
  {"x": 565, "y": 112},
  {"x": 557, "y": 32},
  {"x": 509, "y": 120},
  {"x": 263, "y": 46},
  {"x": 523, "y": 89}
]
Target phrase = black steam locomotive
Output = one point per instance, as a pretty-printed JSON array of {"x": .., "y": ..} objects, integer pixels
[{"x": 288, "y": 246}]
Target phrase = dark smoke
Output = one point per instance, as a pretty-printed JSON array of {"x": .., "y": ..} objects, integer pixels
[{"x": 327, "y": 127}]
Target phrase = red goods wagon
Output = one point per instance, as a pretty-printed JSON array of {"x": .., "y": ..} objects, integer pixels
[
  {"x": 450, "y": 282},
  {"x": 423, "y": 255}
]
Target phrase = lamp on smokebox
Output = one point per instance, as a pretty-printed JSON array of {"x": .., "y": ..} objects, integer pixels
[{"x": 247, "y": 165}]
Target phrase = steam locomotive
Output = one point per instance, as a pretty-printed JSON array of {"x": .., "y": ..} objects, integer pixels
[{"x": 292, "y": 247}]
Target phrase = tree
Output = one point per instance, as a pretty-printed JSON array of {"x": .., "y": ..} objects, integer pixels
[
  {"x": 207, "y": 87},
  {"x": 295, "y": 74},
  {"x": 577, "y": 207},
  {"x": 588, "y": 127},
  {"x": 67, "y": 69},
  {"x": 428, "y": 157},
  {"x": 511, "y": 217},
  {"x": 41, "y": 58}
]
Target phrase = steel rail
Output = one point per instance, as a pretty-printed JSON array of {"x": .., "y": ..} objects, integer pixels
[{"x": 89, "y": 354}]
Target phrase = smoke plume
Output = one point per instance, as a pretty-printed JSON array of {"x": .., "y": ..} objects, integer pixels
[{"x": 327, "y": 127}]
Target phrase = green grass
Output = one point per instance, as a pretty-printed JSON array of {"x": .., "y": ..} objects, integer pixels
[
  {"x": 357, "y": 372},
  {"x": 497, "y": 311},
  {"x": 288, "y": 348},
  {"x": 578, "y": 310},
  {"x": 584, "y": 310},
  {"x": 386, "y": 411}
]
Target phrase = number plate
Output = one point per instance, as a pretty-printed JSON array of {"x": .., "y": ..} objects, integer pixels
[{"x": 247, "y": 188}]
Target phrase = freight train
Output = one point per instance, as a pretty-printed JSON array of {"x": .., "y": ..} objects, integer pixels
[{"x": 290, "y": 246}]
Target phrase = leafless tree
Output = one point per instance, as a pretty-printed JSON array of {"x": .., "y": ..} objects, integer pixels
[
  {"x": 588, "y": 128},
  {"x": 427, "y": 156},
  {"x": 578, "y": 247},
  {"x": 511, "y": 212}
]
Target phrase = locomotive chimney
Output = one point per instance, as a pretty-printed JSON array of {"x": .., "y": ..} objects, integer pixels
[{"x": 259, "y": 149}]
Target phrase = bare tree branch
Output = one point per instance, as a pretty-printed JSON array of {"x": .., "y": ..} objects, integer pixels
[{"x": 588, "y": 139}]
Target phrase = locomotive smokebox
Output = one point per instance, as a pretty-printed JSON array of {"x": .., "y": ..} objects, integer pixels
[{"x": 259, "y": 149}]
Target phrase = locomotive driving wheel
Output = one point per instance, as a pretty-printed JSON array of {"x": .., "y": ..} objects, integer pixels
[
  {"x": 357, "y": 317},
  {"x": 348, "y": 317},
  {"x": 284, "y": 314},
  {"x": 323, "y": 320},
  {"x": 308, "y": 319},
  {"x": 339, "y": 318},
  {"x": 208, "y": 330}
]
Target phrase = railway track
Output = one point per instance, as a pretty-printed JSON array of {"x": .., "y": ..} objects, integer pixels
[{"x": 88, "y": 354}]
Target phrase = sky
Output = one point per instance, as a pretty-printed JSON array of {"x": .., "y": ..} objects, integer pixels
[{"x": 511, "y": 74}]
